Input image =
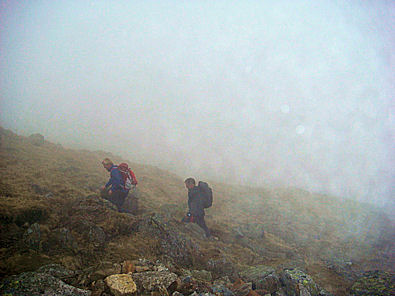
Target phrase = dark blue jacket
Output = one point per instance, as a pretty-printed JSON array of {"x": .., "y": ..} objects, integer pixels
[
  {"x": 195, "y": 202},
  {"x": 116, "y": 182}
]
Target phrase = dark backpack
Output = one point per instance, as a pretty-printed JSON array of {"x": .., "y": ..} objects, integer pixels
[{"x": 206, "y": 193}]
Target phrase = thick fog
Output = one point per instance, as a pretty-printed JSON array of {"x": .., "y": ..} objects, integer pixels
[{"x": 292, "y": 93}]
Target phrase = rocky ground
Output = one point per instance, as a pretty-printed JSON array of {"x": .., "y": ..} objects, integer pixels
[{"x": 59, "y": 237}]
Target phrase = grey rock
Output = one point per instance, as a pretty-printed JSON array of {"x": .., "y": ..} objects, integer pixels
[
  {"x": 38, "y": 284},
  {"x": 155, "y": 280},
  {"x": 57, "y": 271}
]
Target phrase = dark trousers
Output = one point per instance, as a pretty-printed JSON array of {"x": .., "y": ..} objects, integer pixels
[
  {"x": 199, "y": 220},
  {"x": 117, "y": 197}
]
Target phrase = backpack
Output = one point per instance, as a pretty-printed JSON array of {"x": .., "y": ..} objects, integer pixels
[
  {"x": 207, "y": 194},
  {"x": 128, "y": 177}
]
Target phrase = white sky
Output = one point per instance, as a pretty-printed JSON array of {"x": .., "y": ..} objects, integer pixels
[{"x": 299, "y": 93}]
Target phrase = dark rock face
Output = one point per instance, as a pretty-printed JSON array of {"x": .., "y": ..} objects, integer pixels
[
  {"x": 37, "y": 139},
  {"x": 32, "y": 237},
  {"x": 174, "y": 245},
  {"x": 262, "y": 278},
  {"x": 62, "y": 238},
  {"x": 37, "y": 283},
  {"x": 374, "y": 283}
]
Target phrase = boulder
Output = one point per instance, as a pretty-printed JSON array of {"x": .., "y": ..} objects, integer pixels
[
  {"x": 374, "y": 283},
  {"x": 298, "y": 283},
  {"x": 262, "y": 277},
  {"x": 155, "y": 280},
  {"x": 121, "y": 284},
  {"x": 38, "y": 284}
]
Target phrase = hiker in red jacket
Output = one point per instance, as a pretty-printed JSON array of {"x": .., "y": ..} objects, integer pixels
[{"x": 122, "y": 179}]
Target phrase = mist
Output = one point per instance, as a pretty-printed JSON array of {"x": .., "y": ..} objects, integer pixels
[{"x": 291, "y": 93}]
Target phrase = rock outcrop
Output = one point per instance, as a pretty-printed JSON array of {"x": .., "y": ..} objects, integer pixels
[{"x": 38, "y": 284}]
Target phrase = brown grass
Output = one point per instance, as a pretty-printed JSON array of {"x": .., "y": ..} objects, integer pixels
[{"x": 47, "y": 184}]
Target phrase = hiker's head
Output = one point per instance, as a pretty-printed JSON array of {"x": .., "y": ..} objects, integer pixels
[
  {"x": 107, "y": 164},
  {"x": 190, "y": 183}
]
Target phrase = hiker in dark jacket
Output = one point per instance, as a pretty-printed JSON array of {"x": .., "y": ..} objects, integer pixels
[
  {"x": 195, "y": 204},
  {"x": 114, "y": 190}
]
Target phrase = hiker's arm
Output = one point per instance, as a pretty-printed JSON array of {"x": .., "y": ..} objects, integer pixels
[{"x": 107, "y": 184}]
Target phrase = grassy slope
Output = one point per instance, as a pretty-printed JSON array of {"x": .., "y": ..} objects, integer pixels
[{"x": 314, "y": 227}]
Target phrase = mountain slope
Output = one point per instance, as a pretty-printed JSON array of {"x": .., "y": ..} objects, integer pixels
[{"x": 57, "y": 188}]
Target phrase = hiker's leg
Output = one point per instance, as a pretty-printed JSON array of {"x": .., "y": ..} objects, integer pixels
[
  {"x": 200, "y": 221},
  {"x": 117, "y": 197},
  {"x": 134, "y": 202}
]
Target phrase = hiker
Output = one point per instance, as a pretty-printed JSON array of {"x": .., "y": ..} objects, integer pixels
[
  {"x": 116, "y": 190},
  {"x": 196, "y": 206}
]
